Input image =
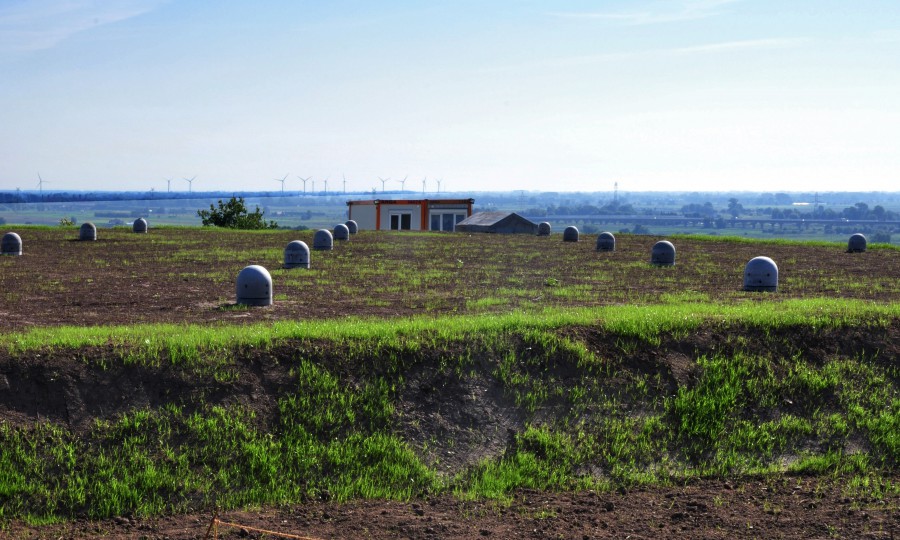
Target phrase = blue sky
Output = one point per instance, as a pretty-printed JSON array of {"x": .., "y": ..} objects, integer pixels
[{"x": 694, "y": 95}]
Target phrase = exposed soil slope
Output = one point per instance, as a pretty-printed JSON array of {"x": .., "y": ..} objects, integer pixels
[{"x": 462, "y": 420}]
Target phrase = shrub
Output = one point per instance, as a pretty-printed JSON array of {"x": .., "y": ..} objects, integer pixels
[{"x": 234, "y": 215}]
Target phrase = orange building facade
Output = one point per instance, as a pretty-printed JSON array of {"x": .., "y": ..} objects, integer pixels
[{"x": 409, "y": 214}]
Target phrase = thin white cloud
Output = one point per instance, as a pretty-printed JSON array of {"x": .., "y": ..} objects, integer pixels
[
  {"x": 708, "y": 48},
  {"x": 657, "y": 12},
  {"x": 744, "y": 45},
  {"x": 35, "y": 25}
]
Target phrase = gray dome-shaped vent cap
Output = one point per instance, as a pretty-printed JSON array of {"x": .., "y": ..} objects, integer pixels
[
  {"x": 761, "y": 274},
  {"x": 543, "y": 229},
  {"x": 140, "y": 225},
  {"x": 663, "y": 253},
  {"x": 352, "y": 226},
  {"x": 88, "y": 231},
  {"x": 570, "y": 234},
  {"x": 606, "y": 242},
  {"x": 341, "y": 232},
  {"x": 254, "y": 286},
  {"x": 296, "y": 255},
  {"x": 857, "y": 243},
  {"x": 11, "y": 245},
  {"x": 323, "y": 240}
]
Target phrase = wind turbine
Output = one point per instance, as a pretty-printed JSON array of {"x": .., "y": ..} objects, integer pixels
[
  {"x": 423, "y": 185},
  {"x": 168, "y": 185},
  {"x": 403, "y": 183},
  {"x": 282, "y": 182},
  {"x": 383, "y": 180},
  {"x": 345, "y": 183},
  {"x": 326, "y": 185},
  {"x": 304, "y": 182},
  {"x": 439, "y": 180},
  {"x": 190, "y": 182},
  {"x": 40, "y": 185}
]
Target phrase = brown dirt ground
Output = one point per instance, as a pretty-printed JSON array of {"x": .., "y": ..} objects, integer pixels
[
  {"x": 62, "y": 388},
  {"x": 793, "y": 507},
  {"x": 188, "y": 275}
]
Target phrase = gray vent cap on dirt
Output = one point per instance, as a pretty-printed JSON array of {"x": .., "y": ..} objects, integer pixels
[
  {"x": 856, "y": 244},
  {"x": 11, "y": 245},
  {"x": 140, "y": 225},
  {"x": 663, "y": 253},
  {"x": 543, "y": 229},
  {"x": 88, "y": 231},
  {"x": 341, "y": 232},
  {"x": 606, "y": 242},
  {"x": 254, "y": 286},
  {"x": 296, "y": 255},
  {"x": 352, "y": 226},
  {"x": 323, "y": 240},
  {"x": 570, "y": 234},
  {"x": 761, "y": 274}
]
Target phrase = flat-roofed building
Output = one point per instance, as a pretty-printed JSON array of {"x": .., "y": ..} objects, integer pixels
[{"x": 409, "y": 214}]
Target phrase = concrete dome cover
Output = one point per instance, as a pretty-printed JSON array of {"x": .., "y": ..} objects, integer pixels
[
  {"x": 341, "y": 232},
  {"x": 88, "y": 231},
  {"x": 254, "y": 286},
  {"x": 663, "y": 253},
  {"x": 296, "y": 255},
  {"x": 323, "y": 240},
  {"x": 11, "y": 244},
  {"x": 606, "y": 242},
  {"x": 761, "y": 274},
  {"x": 857, "y": 243}
]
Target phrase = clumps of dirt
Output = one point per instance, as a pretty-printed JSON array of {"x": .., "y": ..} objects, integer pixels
[{"x": 456, "y": 421}]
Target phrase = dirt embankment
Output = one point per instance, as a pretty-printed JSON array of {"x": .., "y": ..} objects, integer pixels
[{"x": 75, "y": 388}]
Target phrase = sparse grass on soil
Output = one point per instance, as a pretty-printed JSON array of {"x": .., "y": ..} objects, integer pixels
[{"x": 384, "y": 374}]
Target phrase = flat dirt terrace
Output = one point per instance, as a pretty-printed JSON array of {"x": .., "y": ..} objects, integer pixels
[{"x": 187, "y": 276}]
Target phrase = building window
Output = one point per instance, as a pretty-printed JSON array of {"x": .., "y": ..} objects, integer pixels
[
  {"x": 401, "y": 221},
  {"x": 446, "y": 221}
]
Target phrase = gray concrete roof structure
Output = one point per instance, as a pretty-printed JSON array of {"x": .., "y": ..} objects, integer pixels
[{"x": 497, "y": 222}]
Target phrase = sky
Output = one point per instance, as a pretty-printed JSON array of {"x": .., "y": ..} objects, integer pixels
[{"x": 673, "y": 95}]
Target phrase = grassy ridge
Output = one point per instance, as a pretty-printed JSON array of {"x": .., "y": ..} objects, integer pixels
[
  {"x": 189, "y": 342},
  {"x": 747, "y": 409}
]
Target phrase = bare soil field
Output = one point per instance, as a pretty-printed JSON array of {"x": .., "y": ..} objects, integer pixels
[
  {"x": 788, "y": 508},
  {"x": 187, "y": 276}
]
